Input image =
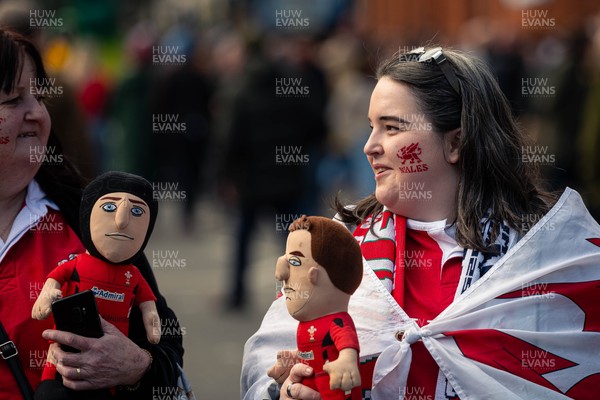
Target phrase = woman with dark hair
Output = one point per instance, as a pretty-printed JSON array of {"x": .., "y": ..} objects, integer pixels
[
  {"x": 39, "y": 227},
  {"x": 460, "y": 246}
]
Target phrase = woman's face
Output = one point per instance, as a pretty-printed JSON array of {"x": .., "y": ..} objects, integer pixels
[
  {"x": 412, "y": 163},
  {"x": 24, "y": 131}
]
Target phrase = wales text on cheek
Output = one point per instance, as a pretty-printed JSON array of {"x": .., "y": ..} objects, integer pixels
[{"x": 411, "y": 162}]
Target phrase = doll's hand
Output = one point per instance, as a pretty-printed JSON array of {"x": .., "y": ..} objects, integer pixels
[
  {"x": 297, "y": 390},
  {"x": 343, "y": 372},
  {"x": 42, "y": 306},
  {"x": 151, "y": 321},
  {"x": 152, "y": 325},
  {"x": 109, "y": 361},
  {"x": 286, "y": 359}
]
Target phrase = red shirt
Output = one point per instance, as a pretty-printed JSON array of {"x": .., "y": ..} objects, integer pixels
[
  {"x": 321, "y": 340},
  {"x": 116, "y": 287},
  {"x": 428, "y": 288},
  {"x": 23, "y": 272},
  {"x": 420, "y": 264}
]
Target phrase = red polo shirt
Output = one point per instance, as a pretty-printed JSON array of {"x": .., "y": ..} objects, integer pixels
[{"x": 23, "y": 272}]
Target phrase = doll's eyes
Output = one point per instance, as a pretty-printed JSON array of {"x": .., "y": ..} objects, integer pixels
[
  {"x": 109, "y": 207},
  {"x": 294, "y": 261},
  {"x": 137, "y": 211},
  {"x": 112, "y": 207}
]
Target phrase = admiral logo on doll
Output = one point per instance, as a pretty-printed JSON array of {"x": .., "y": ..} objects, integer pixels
[
  {"x": 107, "y": 295},
  {"x": 306, "y": 355}
]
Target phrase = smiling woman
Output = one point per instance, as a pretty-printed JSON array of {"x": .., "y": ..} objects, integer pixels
[
  {"x": 24, "y": 125},
  {"x": 449, "y": 251},
  {"x": 40, "y": 194},
  {"x": 404, "y": 154}
]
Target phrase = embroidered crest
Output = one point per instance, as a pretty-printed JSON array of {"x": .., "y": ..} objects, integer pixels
[
  {"x": 311, "y": 331},
  {"x": 127, "y": 277}
]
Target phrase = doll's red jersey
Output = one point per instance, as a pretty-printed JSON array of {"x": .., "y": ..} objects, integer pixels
[
  {"x": 116, "y": 287},
  {"x": 320, "y": 341}
]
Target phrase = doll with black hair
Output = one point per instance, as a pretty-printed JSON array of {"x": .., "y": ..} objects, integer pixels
[{"x": 117, "y": 216}]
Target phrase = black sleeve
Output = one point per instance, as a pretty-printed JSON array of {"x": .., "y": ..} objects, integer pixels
[{"x": 166, "y": 354}]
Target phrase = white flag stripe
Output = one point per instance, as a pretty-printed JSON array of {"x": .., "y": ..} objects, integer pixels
[{"x": 543, "y": 320}]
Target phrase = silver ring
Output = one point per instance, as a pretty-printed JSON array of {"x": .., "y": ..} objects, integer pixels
[
  {"x": 289, "y": 390},
  {"x": 78, "y": 372}
]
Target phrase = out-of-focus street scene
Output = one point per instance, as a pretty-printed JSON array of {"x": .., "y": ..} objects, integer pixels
[{"x": 246, "y": 114}]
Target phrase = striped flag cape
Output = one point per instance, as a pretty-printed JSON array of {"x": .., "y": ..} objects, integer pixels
[{"x": 528, "y": 329}]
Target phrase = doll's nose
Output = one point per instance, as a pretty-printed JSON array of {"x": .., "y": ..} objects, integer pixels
[
  {"x": 122, "y": 215},
  {"x": 282, "y": 269}
]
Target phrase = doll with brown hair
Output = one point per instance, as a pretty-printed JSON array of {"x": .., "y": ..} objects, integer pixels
[
  {"x": 321, "y": 269},
  {"x": 117, "y": 216}
]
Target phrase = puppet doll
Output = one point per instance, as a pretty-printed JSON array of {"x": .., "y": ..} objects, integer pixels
[
  {"x": 117, "y": 215},
  {"x": 321, "y": 268}
]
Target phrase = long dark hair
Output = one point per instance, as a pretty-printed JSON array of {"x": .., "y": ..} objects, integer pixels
[
  {"x": 13, "y": 47},
  {"x": 60, "y": 181},
  {"x": 493, "y": 175}
]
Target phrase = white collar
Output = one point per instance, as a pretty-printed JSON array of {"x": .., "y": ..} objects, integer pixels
[
  {"x": 425, "y": 226},
  {"x": 35, "y": 208}
]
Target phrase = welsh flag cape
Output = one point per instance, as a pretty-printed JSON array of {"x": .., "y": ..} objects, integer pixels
[{"x": 527, "y": 329}]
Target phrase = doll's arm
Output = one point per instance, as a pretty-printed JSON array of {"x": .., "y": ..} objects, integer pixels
[
  {"x": 151, "y": 321},
  {"x": 50, "y": 292},
  {"x": 343, "y": 372}
]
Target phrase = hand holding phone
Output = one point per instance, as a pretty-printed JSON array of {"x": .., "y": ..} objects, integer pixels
[{"x": 77, "y": 314}]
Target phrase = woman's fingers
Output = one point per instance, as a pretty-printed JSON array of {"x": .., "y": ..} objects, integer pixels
[
  {"x": 286, "y": 359},
  {"x": 293, "y": 389}
]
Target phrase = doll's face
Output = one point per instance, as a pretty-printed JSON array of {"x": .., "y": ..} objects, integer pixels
[
  {"x": 297, "y": 269},
  {"x": 118, "y": 225}
]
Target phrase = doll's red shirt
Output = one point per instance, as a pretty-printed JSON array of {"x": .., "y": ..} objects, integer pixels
[
  {"x": 116, "y": 287},
  {"x": 321, "y": 340}
]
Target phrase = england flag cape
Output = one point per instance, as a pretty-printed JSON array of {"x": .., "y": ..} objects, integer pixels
[{"x": 529, "y": 328}]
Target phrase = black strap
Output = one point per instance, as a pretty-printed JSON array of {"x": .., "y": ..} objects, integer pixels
[{"x": 9, "y": 352}]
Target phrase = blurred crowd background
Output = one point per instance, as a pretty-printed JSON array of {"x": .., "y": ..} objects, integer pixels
[{"x": 255, "y": 110}]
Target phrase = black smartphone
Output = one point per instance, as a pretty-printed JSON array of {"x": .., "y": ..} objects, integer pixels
[{"x": 78, "y": 314}]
